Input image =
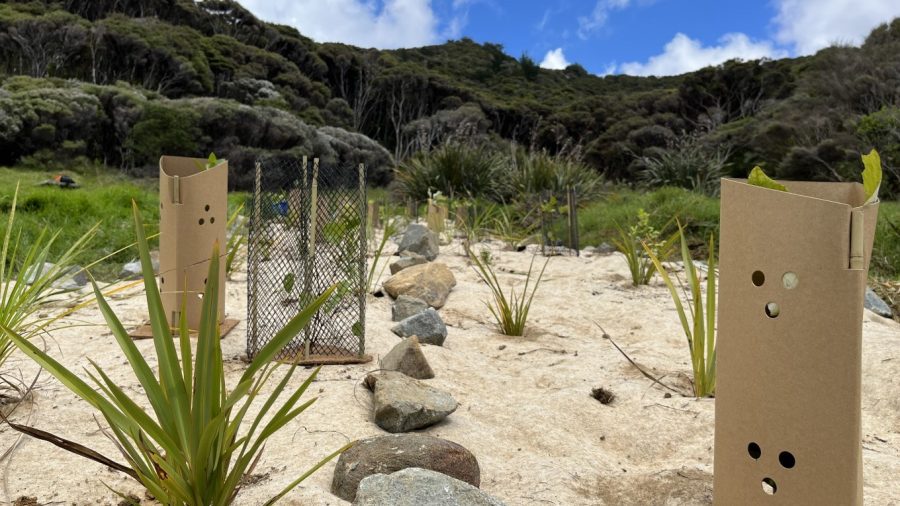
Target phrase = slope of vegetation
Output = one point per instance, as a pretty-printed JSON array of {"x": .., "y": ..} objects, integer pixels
[{"x": 117, "y": 81}]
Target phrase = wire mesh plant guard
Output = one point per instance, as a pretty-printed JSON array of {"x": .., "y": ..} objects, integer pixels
[{"x": 307, "y": 233}]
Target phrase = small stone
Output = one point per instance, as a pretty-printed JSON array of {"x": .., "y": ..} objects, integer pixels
[
  {"x": 407, "y": 259},
  {"x": 406, "y": 306},
  {"x": 407, "y": 358},
  {"x": 35, "y": 272},
  {"x": 133, "y": 269},
  {"x": 74, "y": 278},
  {"x": 427, "y": 325},
  {"x": 419, "y": 239},
  {"x": 430, "y": 282},
  {"x": 387, "y": 454},
  {"x": 403, "y": 404},
  {"x": 875, "y": 304},
  {"x": 605, "y": 248},
  {"x": 415, "y": 486}
]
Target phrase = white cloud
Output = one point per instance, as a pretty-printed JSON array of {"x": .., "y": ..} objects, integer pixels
[
  {"x": 609, "y": 69},
  {"x": 683, "y": 54},
  {"x": 599, "y": 16},
  {"x": 554, "y": 60},
  {"x": 810, "y": 25},
  {"x": 366, "y": 23}
]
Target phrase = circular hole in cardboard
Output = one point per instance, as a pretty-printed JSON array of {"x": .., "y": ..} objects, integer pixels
[
  {"x": 201, "y": 221},
  {"x": 787, "y": 460},
  {"x": 162, "y": 280},
  {"x": 773, "y": 310},
  {"x": 206, "y": 208},
  {"x": 758, "y": 278},
  {"x": 790, "y": 280},
  {"x": 754, "y": 450},
  {"x": 769, "y": 487},
  {"x": 212, "y": 219}
]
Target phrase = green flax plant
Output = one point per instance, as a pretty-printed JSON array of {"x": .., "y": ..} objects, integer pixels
[
  {"x": 193, "y": 446},
  {"x": 509, "y": 310},
  {"x": 699, "y": 323}
]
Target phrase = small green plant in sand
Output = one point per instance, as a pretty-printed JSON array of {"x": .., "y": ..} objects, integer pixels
[
  {"x": 698, "y": 322},
  {"x": 630, "y": 242},
  {"x": 192, "y": 447},
  {"x": 510, "y": 310},
  {"x": 374, "y": 274}
]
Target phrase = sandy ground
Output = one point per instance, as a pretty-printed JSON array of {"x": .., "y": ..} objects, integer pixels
[{"x": 525, "y": 405}]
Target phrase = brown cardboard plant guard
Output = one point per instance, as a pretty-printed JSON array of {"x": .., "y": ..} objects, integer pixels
[
  {"x": 193, "y": 196},
  {"x": 793, "y": 268}
]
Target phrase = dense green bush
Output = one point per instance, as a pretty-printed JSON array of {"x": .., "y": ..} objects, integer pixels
[
  {"x": 455, "y": 170},
  {"x": 686, "y": 163},
  {"x": 64, "y": 125},
  {"x": 163, "y": 128},
  {"x": 539, "y": 173}
]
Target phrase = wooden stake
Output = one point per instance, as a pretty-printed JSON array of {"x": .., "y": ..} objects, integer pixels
[
  {"x": 362, "y": 257},
  {"x": 311, "y": 251}
]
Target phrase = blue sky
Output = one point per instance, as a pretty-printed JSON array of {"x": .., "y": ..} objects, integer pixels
[{"x": 637, "y": 37}]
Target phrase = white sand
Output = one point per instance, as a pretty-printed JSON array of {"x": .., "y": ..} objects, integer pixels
[{"x": 525, "y": 410}]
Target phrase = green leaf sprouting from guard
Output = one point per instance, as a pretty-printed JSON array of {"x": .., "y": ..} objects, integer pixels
[
  {"x": 871, "y": 175},
  {"x": 759, "y": 178},
  {"x": 211, "y": 162}
]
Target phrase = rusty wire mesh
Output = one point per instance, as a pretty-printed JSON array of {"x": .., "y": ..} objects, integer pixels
[{"x": 307, "y": 234}]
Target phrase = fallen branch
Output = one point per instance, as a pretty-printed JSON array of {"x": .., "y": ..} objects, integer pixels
[{"x": 636, "y": 366}]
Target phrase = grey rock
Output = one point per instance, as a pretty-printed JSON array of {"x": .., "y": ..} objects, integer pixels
[
  {"x": 407, "y": 358},
  {"x": 133, "y": 270},
  {"x": 387, "y": 454},
  {"x": 874, "y": 303},
  {"x": 419, "y": 239},
  {"x": 415, "y": 486},
  {"x": 406, "y": 306},
  {"x": 407, "y": 259},
  {"x": 430, "y": 282},
  {"x": 427, "y": 325},
  {"x": 74, "y": 278},
  {"x": 35, "y": 272},
  {"x": 403, "y": 404},
  {"x": 605, "y": 248}
]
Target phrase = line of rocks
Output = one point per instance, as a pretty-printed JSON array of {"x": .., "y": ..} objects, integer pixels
[{"x": 411, "y": 469}]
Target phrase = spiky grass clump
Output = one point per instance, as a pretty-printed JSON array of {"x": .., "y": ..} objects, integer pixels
[
  {"x": 509, "y": 310},
  {"x": 699, "y": 323},
  {"x": 453, "y": 169},
  {"x": 193, "y": 448}
]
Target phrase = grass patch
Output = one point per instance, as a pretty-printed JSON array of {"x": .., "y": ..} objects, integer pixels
[
  {"x": 103, "y": 197},
  {"x": 700, "y": 216}
]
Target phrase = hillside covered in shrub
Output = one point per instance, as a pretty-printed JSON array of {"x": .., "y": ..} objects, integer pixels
[{"x": 120, "y": 81}]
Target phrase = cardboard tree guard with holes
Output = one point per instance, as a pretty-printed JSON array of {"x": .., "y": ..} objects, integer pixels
[
  {"x": 792, "y": 275},
  {"x": 192, "y": 217}
]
